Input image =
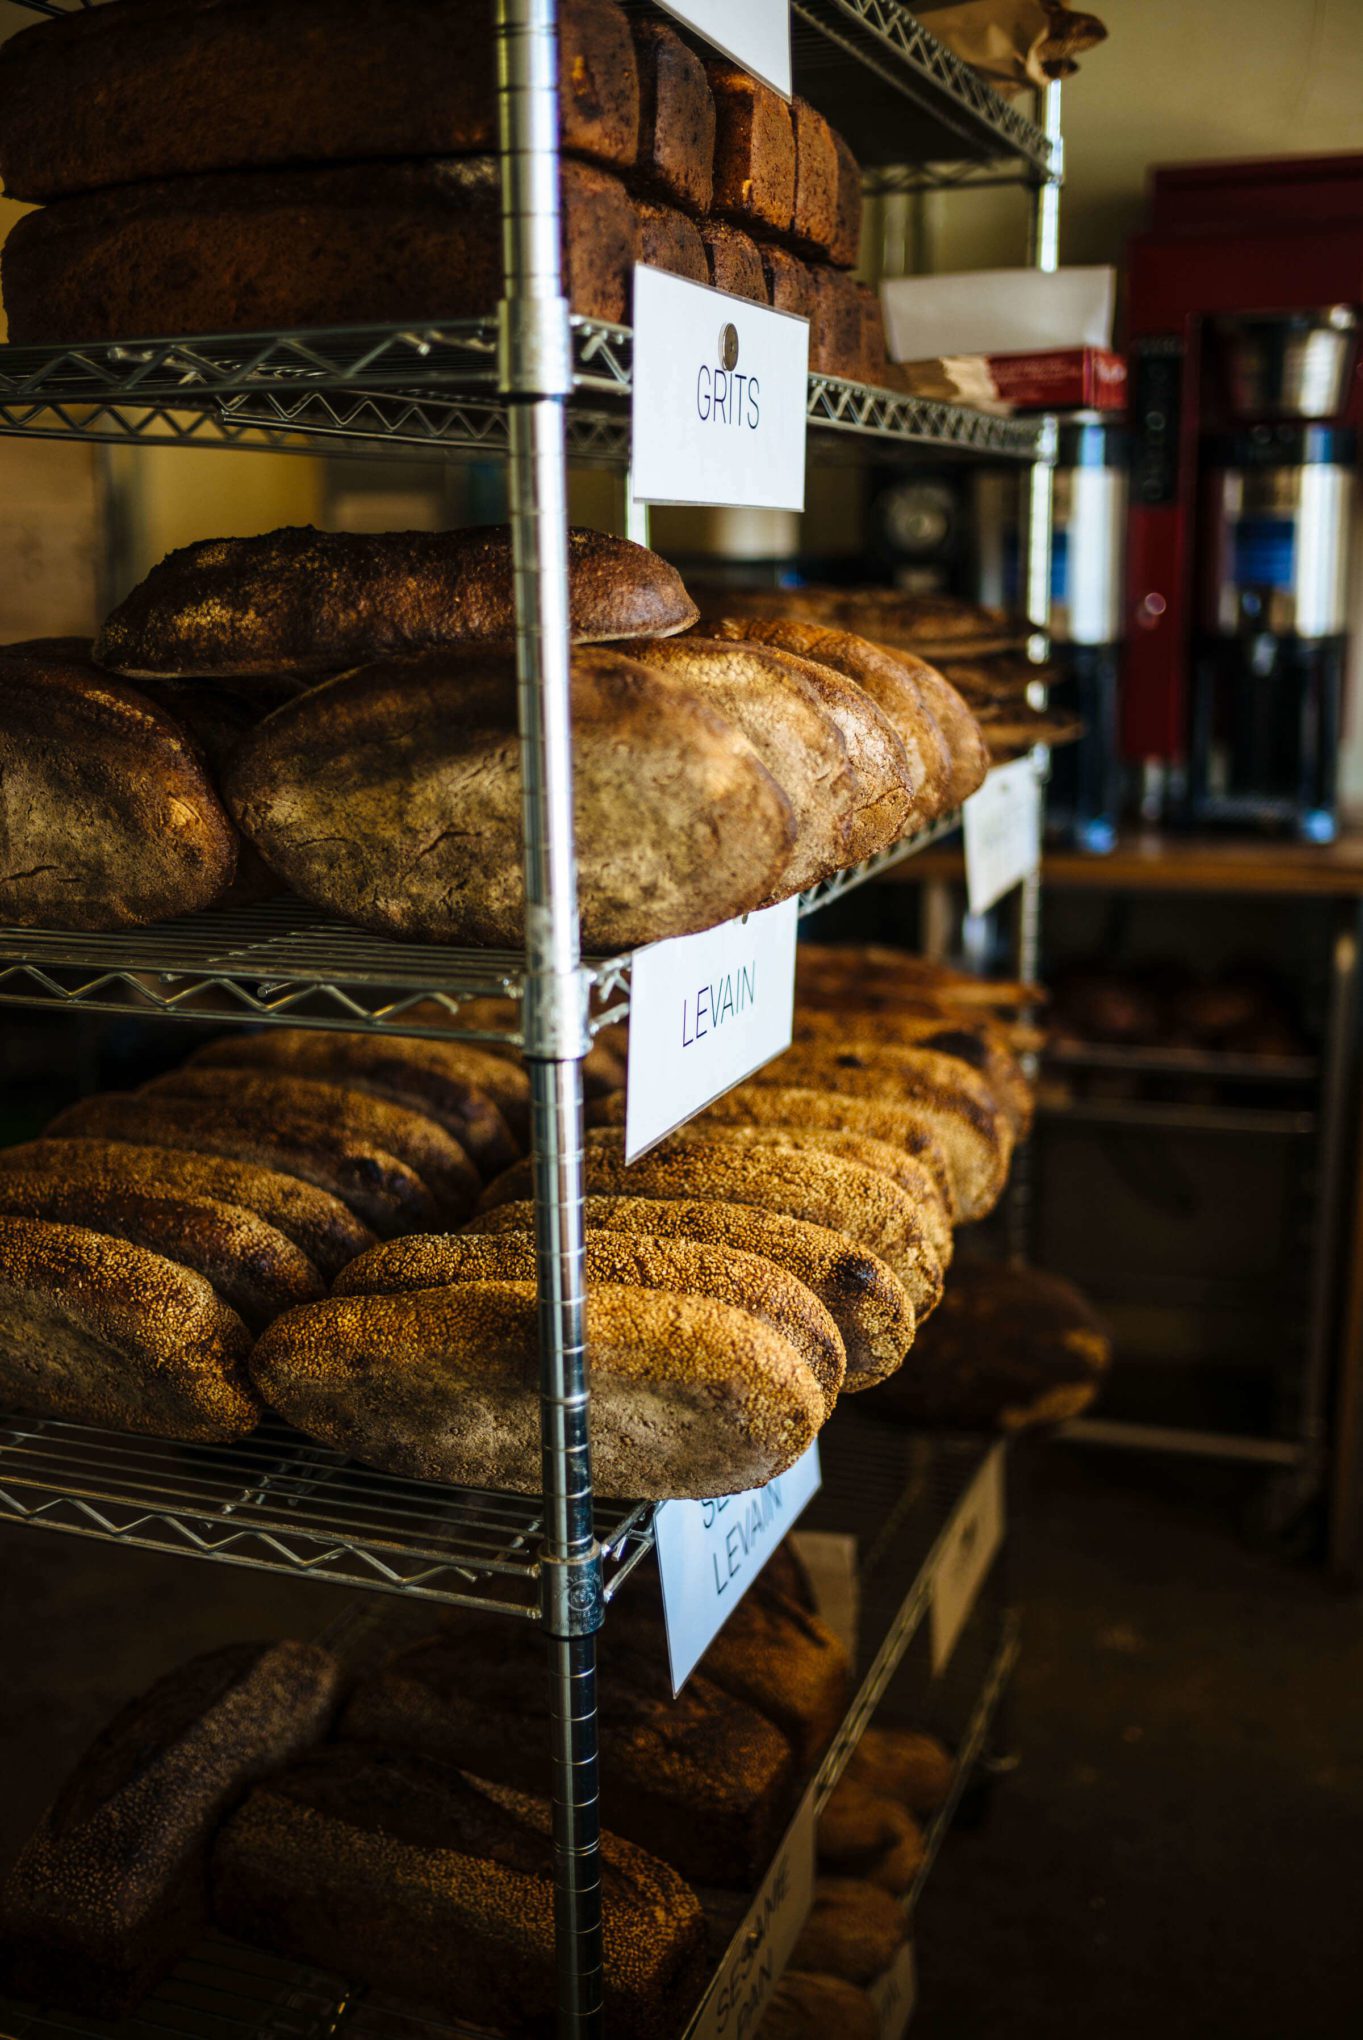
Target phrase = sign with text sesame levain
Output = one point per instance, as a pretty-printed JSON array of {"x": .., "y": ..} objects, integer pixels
[
  {"x": 720, "y": 387},
  {"x": 705, "y": 1011},
  {"x": 755, "y": 33},
  {"x": 760, "y": 1952},
  {"x": 1002, "y": 832},
  {"x": 709, "y": 1554}
]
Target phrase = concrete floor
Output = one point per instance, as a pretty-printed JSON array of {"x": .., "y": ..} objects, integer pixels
[{"x": 1179, "y": 1854}]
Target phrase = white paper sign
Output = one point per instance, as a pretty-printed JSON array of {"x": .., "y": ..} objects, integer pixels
[
  {"x": 719, "y": 397},
  {"x": 705, "y": 1011},
  {"x": 1002, "y": 832},
  {"x": 709, "y": 1554},
  {"x": 762, "y": 1948},
  {"x": 755, "y": 33},
  {"x": 973, "y": 1539},
  {"x": 895, "y": 1994}
]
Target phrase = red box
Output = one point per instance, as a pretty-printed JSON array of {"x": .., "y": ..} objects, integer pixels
[{"x": 1064, "y": 379}]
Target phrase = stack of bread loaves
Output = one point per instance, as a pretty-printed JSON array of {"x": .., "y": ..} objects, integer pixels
[
  {"x": 200, "y": 753},
  {"x": 357, "y": 182}
]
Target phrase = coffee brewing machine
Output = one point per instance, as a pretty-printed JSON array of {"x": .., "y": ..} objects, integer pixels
[{"x": 1244, "y": 306}]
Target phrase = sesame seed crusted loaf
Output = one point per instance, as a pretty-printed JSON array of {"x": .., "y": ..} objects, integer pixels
[
  {"x": 303, "y": 601},
  {"x": 87, "y": 100},
  {"x": 457, "y": 1086},
  {"x": 807, "y": 2006},
  {"x": 853, "y": 1930},
  {"x": 687, "y": 1267},
  {"x": 703, "y": 1781},
  {"x": 325, "y": 1230},
  {"x": 690, "y": 1397},
  {"x": 969, "y": 1041},
  {"x": 825, "y": 1189},
  {"x": 98, "y": 1330},
  {"x": 422, "y": 1881},
  {"x": 262, "y": 250},
  {"x": 865, "y": 1298},
  {"x": 281, "y": 1098},
  {"x": 814, "y": 1109},
  {"x": 110, "y": 1890},
  {"x": 676, "y": 158},
  {"x": 392, "y": 796},
  {"x": 254, "y": 1269},
  {"x": 108, "y": 815},
  {"x": 381, "y": 1191}
]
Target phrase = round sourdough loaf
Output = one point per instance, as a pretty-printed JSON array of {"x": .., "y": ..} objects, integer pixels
[
  {"x": 305, "y": 601},
  {"x": 904, "y": 1764},
  {"x": 853, "y": 1930},
  {"x": 321, "y": 1226},
  {"x": 690, "y": 1397},
  {"x": 392, "y": 795},
  {"x": 108, "y": 816},
  {"x": 97, "y": 1330},
  {"x": 759, "y": 1287},
  {"x": 807, "y": 2006}
]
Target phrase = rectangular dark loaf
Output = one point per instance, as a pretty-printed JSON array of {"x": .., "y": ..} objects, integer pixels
[{"x": 676, "y": 159}]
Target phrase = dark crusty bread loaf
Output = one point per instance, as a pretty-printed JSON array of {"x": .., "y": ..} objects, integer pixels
[
  {"x": 808, "y": 2006},
  {"x": 669, "y": 240},
  {"x": 783, "y": 716},
  {"x": 790, "y": 287},
  {"x": 689, "y": 1396},
  {"x": 321, "y": 1226},
  {"x": 875, "y": 359},
  {"x": 815, "y": 214},
  {"x": 903, "y": 1764},
  {"x": 108, "y": 816},
  {"x": 94, "y": 1329},
  {"x": 379, "y": 1189},
  {"x": 676, "y": 157},
  {"x": 254, "y": 1269},
  {"x": 865, "y": 1299},
  {"x": 733, "y": 260},
  {"x": 860, "y": 1830},
  {"x": 167, "y": 90},
  {"x": 847, "y": 236},
  {"x": 474, "y": 1095},
  {"x": 853, "y": 1930},
  {"x": 754, "y": 150},
  {"x": 417, "y": 1880},
  {"x": 393, "y": 796},
  {"x": 835, "y": 334},
  {"x": 246, "y": 250},
  {"x": 110, "y": 1890},
  {"x": 703, "y": 1780},
  {"x": 432, "y": 1154},
  {"x": 309, "y": 602}
]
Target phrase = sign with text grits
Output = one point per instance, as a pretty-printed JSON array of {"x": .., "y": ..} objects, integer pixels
[
  {"x": 709, "y": 1554},
  {"x": 758, "y": 1955},
  {"x": 719, "y": 397},
  {"x": 755, "y": 33},
  {"x": 705, "y": 1011},
  {"x": 1002, "y": 832}
]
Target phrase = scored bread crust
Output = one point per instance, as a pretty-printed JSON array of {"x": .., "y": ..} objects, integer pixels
[
  {"x": 885, "y": 784},
  {"x": 254, "y": 1269},
  {"x": 432, "y": 1154},
  {"x": 760, "y": 1288},
  {"x": 966, "y": 744},
  {"x": 690, "y": 1397},
  {"x": 822, "y": 1188},
  {"x": 298, "y": 600},
  {"x": 865, "y": 1298},
  {"x": 321, "y": 1226},
  {"x": 783, "y": 716},
  {"x": 392, "y": 795},
  {"x": 382, "y": 1191},
  {"x": 103, "y": 1332}
]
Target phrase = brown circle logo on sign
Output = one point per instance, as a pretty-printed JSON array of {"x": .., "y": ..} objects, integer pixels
[{"x": 728, "y": 346}]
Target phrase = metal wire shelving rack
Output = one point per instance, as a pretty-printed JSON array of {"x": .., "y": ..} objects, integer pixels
[{"x": 539, "y": 389}]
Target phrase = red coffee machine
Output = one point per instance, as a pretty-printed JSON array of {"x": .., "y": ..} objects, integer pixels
[{"x": 1244, "y": 303}]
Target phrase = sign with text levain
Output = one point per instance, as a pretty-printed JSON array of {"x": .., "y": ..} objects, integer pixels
[
  {"x": 709, "y": 1554},
  {"x": 705, "y": 1011},
  {"x": 1002, "y": 832},
  {"x": 755, "y": 33},
  {"x": 719, "y": 397}
]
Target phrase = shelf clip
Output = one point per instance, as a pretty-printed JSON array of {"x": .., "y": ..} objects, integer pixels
[
  {"x": 572, "y": 1593},
  {"x": 555, "y": 1021},
  {"x": 534, "y": 347}
]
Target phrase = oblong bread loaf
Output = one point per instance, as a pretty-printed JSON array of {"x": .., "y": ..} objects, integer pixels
[
  {"x": 324, "y": 1228},
  {"x": 971, "y": 1042},
  {"x": 392, "y": 796},
  {"x": 890, "y": 684},
  {"x": 254, "y": 1269},
  {"x": 864, "y": 1297},
  {"x": 785, "y": 720},
  {"x": 855, "y": 966},
  {"x": 102, "y": 1332},
  {"x": 858, "y": 1826},
  {"x": 822, "y": 1188},
  {"x": 380, "y": 1190},
  {"x": 457, "y": 1088},
  {"x": 108, "y": 816},
  {"x": 765, "y": 1291},
  {"x": 966, "y": 744},
  {"x": 603, "y": 1067},
  {"x": 433, "y": 1155},
  {"x": 813, "y": 1108},
  {"x": 304, "y": 601},
  {"x": 690, "y": 1397},
  {"x": 904, "y": 1764}
]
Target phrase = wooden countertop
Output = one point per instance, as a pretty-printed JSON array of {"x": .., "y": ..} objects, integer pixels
[{"x": 1190, "y": 864}]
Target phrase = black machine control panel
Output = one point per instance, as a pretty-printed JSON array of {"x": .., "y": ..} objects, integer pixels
[{"x": 1156, "y": 397}]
